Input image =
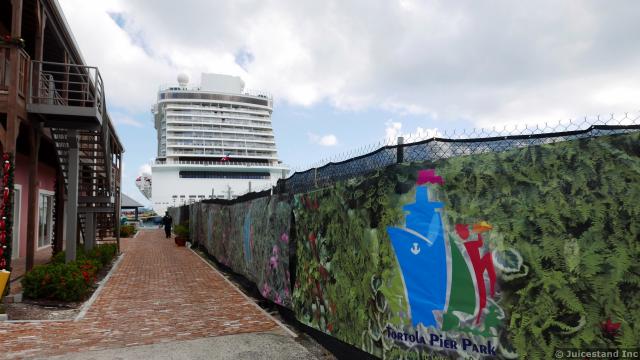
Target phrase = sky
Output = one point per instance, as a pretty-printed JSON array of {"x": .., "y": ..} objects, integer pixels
[{"x": 349, "y": 74}]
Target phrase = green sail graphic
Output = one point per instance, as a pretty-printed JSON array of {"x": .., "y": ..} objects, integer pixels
[{"x": 462, "y": 297}]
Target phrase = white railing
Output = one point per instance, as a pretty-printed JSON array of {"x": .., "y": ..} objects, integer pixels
[{"x": 220, "y": 163}]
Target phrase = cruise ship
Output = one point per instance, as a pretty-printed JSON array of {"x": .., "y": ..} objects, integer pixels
[{"x": 214, "y": 141}]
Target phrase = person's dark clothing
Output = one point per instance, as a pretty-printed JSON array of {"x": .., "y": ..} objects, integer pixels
[{"x": 167, "y": 221}]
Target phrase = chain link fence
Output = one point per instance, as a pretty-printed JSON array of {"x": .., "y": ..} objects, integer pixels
[{"x": 475, "y": 141}]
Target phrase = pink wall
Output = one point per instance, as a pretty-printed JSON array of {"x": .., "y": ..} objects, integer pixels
[{"x": 46, "y": 181}]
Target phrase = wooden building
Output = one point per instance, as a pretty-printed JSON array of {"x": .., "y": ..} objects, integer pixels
[{"x": 63, "y": 152}]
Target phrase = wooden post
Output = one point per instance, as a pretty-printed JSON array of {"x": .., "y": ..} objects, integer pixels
[
  {"x": 41, "y": 21},
  {"x": 34, "y": 142},
  {"x": 59, "y": 225},
  {"x": 13, "y": 122},
  {"x": 400, "y": 150},
  {"x": 117, "y": 199},
  {"x": 89, "y": 231},
  {"x": 72, "y": 197}
]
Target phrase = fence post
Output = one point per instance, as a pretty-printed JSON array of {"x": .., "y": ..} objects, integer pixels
[
  {"x": 315, "y": 177},
  {"x": 400, "y": 149}
]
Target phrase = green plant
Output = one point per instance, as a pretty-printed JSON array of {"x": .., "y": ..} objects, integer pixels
[
  {"x": 64, "y": 282},
  {"x": 103, "y": 254},
  {"x": 182, "y": 230},
  {"x": 127, "y": 230}
]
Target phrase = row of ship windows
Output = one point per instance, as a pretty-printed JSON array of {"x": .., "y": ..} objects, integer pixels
[
  {"x": 223, "y": 175},
  {"x": 209, "y": 132},
  {"x": 215, "y": 121},
  {"x": 190, "y": 116},
  {"x": 211, "y": 114},
  {"x": 265, "y": 154},
  {"x": 225, "y": 126},
  {"x": 180, "y": 127},
  {"x": 205, "y": 96},
  {"x": 207, "y": 106},
  {"x": 214, "y": 136},
  {"x": 220, "y": 145}
]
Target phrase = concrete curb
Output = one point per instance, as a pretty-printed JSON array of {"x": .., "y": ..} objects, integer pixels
[
  {"x": 286, "y": 329},
  {"x": 87, "y": 304}
]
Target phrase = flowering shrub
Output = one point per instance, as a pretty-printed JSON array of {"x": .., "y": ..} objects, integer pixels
[
  {"x": 127, "y": 230},
  {"x": 67, "y": 281},
  {"x": 56, "y": 281}
]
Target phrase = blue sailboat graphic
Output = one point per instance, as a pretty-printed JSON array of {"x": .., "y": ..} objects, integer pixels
[{"x": 421, "y": 253}]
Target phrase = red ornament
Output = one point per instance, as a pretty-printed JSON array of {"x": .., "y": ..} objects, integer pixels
[
  {"x": 3, "y": 237},
  {"x": 1, "y": 251},
  {"x": 7, "y": 165},
  {"x": 5, "y": 179},
  {"x": 3, "y": 263},
  {"x": 5, "y": 156},
  {"x": 5, "y": 195},
  {"x": 2, "y": 225}
]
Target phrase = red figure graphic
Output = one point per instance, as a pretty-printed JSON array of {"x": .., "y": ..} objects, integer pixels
[{"x": 480, "y": 265}]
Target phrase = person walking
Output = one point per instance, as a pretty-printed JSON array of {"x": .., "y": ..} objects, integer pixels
[{"x": 167, "y": 220}]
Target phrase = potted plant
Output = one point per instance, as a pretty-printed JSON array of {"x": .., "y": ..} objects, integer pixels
[{"x": 182, "y": 234}]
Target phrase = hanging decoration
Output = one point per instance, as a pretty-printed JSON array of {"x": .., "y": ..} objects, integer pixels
[{"x": 6, "y": 208}]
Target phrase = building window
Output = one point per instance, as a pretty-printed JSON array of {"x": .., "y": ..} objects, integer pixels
[{"x": 45, "y": 222}]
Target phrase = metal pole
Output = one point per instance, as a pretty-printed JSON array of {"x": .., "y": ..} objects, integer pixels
[{"x": 400, "y": 149}]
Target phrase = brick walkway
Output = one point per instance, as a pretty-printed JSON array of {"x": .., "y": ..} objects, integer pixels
[{"x": 159, "y": 293}]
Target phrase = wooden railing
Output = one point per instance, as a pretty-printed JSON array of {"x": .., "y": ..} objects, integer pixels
[{"x": 5, "y": 69}]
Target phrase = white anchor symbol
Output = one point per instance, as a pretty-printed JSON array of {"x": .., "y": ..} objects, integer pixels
[{"x": 415, "y": 249}]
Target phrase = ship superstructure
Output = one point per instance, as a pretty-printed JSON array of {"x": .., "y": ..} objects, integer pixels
[{"x": 214, "y": 141}]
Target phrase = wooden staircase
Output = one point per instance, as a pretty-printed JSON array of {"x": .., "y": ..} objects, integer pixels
[{"x": 96, "y": 187}]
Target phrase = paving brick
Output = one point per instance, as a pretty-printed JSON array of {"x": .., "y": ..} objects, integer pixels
[{"x": 144, "y": 302}]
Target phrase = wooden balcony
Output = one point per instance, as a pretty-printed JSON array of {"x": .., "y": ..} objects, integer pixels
[
  {"x": 6, "y": 76},
  {"x": 67, "y": 96}
]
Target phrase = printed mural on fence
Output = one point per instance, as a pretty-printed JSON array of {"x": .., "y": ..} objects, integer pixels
[
  {"x": 517, "y": 253},
  {"x": 507, "y": 255},
  {"x": 445, "y": 278},
  {"x": 252, "y": 239}
]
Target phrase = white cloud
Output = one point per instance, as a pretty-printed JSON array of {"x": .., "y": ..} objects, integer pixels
[
  {"x": 394, "y": 130},
  {"x": 144, "y": 169},
  {"x": 122, "y": 119},
  {"x": 324, "y": 140},
  {"x": 530, "y": 62}
]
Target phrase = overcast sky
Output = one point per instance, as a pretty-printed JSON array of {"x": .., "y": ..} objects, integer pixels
[{"x": 348, "y": 73}]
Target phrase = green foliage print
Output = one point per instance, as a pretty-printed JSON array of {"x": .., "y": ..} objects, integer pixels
[
  {"x": 564, "y": 239},
  {"x": 345, "y": 262},
  {"x": 251, "y": 238},
  {"x": 571, "y": 210}
]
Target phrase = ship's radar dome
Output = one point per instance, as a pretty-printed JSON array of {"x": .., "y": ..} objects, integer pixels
[{"x": 183, "y": 79}]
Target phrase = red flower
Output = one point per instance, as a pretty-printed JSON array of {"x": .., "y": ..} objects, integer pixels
[
  {"x": 323, "y": 272},
  {"x": 330, "y": 327},
  {"x": 312, "y": 239},
  {"x": 610, "y": 329}
]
